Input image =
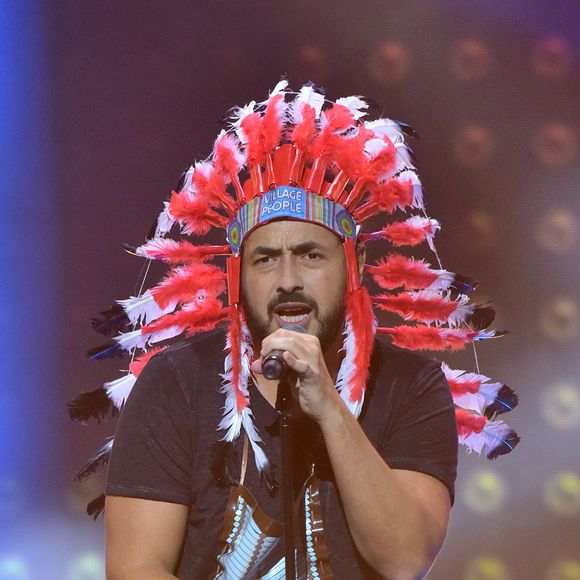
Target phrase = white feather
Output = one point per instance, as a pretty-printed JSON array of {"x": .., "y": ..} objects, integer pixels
[
  {"x": 143, "y": 309},
  {"x": 239, "y": 114},
  {"x": 164, "y": 221},
  {"x": 355, "y": 105},
  {"x": 119, "y": 389},
  {"x": 494, "y": 434},
  {"x": 410, "y": 174},
  {"x": 309, "y": 96}
]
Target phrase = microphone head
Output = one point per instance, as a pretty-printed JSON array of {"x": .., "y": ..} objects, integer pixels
[{"x": 295, "y": 328}]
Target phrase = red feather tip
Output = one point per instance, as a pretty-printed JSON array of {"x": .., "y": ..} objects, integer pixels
[
  {"x": 410, "y": 232},
  {"x": 349, "y": 153},
  {"x": 182, "y": 252},
  {"x": 468, "y": 422},
  {"x": 227, "y": 155},
  {"x": 398, "y": 271},
  {"x": 303, "y": 134},
  {"x": 184, "y": 284},
  {"x": 429, "y": 337},
  {"x": 424, "y": 307},
  {"x": 192, "y": 318},
  {"x": 194, "y": 214},
  {"x": 392, "y": 194},
  {"x": 382, "y": 162},
  {"x": 272, "y": 123},
  {"x": 139, "y": 363}
]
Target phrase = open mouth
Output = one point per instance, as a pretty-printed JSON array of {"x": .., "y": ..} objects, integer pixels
[{"x": 293, "y": 312}]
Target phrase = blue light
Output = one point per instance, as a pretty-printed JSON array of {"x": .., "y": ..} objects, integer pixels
[{"x": 28, "y": 289}]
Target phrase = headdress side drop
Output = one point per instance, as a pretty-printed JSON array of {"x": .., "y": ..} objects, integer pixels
[{"x": 298, "y": 156}]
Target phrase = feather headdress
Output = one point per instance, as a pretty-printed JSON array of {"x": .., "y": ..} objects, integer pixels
[{"x": 298, "y": 156}]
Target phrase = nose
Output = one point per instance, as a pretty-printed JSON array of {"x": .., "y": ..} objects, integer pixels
[{"x": 290, "y": 279}]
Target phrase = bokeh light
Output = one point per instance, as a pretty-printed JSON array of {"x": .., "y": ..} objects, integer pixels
[
  {"x": 484, "y": 491},
  {"x": 87, "y": 566},
  {"x": 13, "y": 568},
  {"x": 473, "y": 146},
  {"x": 552, "y": 57},
  {"x": 555, "y": 144},
  {"x": 477, "y": 231},
  {"x": 486, "y": 568},
  {"x": 557, "y": 231},
  {"x": 561, "y": 406},
  {"x": 560, "y": 319},
  {"x": 389, "y": 63},
  {"x": 565, "y": 569},
  {"x": 562, "y": 494},
  {"x": 470, "y": 59}
]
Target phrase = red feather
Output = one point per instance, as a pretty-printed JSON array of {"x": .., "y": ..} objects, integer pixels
[
  {"x": 398, "y": 271},
  {"x": 252, "y": 127},
  {"x": 211, "y": 185},
  {"x": 227, "y": 156},
  {"x": 349, "y": 153},
  {"x": 407, "y": 233},
  {"x": 360, "y": 312},
  {"x": 468, "y": 422},
  {"x": 272, "y": 123},
  {"x": 181, "y": 252},
  {"x": 462, "y": 387},
  {"x": 429, "y": 337},
  {"x": 418, "y": 306},
  {"x": 303, "y": 134},
  {"x": 384, "y": 161},
  {"x": 336, "y": 118},
  {"x": 184, "y": 284},
  {"x": 392, "y": 194},
  {"x": 235, "y": 351},
  {"x": 139, "y": 363},
  {"x": 192, "y": 318},
  {"x": 194, "y": 214}
]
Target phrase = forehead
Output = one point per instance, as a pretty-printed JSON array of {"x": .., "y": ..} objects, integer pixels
[{"x": 289, "y": 233}]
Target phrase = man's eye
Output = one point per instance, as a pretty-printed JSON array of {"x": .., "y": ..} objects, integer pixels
[
  {"x": 264, "y": 260},
  {"x": 313, "y": 256}
]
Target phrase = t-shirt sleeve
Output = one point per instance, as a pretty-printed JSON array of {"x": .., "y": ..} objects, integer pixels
[
  {"x": 151, "y": 455},
  {"x": 424, "y": 434}
]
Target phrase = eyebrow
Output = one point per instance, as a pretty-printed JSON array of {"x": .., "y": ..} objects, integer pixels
[{"x": 301, "y": 248}]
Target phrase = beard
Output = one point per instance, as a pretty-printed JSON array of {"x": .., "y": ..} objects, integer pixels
[{"x": 330, "y": 325}]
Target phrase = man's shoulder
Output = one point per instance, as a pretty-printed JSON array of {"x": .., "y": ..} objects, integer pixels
[
  {"x": 203, "y": 347},
  {"x": 391, "y": 359}
]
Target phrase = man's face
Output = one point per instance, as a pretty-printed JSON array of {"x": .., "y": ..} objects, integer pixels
[{"x": 294, "y": 273}]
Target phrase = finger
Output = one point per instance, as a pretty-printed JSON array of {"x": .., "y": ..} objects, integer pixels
[
  {"x": 256, "y": 366},
  {"x": 299, "y": 366}
]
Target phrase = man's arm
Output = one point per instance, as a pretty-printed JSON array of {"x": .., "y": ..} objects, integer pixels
[
  {"x": 144, "y": 538},
  {"x": 397, "y": 518}
]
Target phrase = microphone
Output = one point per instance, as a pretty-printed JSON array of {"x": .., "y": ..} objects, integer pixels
[{"x": 274, "y": 366}]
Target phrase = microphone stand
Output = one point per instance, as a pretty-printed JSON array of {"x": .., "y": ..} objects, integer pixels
[{"x": 283, "y": 406}]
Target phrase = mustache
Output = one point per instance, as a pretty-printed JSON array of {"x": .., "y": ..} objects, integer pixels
[{"x": 292, "y": 297}]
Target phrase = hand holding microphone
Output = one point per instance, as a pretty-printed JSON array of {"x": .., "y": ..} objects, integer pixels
[{"x": 274, "y": 367}]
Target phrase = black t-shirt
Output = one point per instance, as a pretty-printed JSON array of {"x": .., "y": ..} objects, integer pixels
[{"x": 165, "y": 443}]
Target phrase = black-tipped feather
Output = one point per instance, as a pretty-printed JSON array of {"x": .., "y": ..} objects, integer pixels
[
  {"x": 505, "y": 401},
  {"x": 221, "y": 454},
  {"x": 482, "y": 317},
  {"x": 111, "y": 321},
  {"x": 109, "y": 350},
  {"x": 506, "y": 446},
  {"x": 463, "y": 285},
  {"x": 101, "y": 457},
  {"x": 89, "y": 405},
  {"x": 96, "y": 507}
]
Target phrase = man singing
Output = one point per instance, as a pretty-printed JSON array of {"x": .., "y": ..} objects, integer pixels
[{"x": 194, "y": 485}]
